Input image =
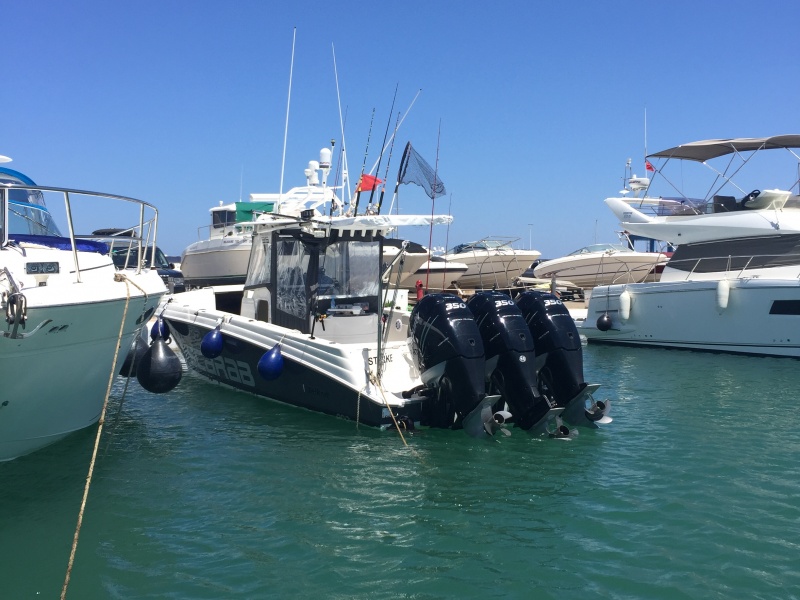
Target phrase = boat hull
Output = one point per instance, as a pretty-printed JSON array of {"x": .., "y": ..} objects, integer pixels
[
  {"x": 333, "y": 379},
  {"x": 493, "y": 269},
  {"x": 589, "y": 271},
  {"x": 742, "y": 316},
  {"x": 73, "y": 353}
]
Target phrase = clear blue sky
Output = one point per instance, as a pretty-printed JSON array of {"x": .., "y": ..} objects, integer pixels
[{"x": 536, "y": 105}]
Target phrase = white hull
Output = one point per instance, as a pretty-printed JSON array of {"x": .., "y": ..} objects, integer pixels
[
  {"x": 495, "y": 268},
  {"x": 218, "y": 261},
  {"x": 590, "y": 270},
  {"x": 55, "y": 381},
  {"x": 690, "y": 315}
]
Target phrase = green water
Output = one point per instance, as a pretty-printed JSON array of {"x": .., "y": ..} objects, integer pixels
[{"x": 692, "y": 492}]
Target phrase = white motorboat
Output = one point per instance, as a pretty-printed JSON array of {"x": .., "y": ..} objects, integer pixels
[
  {"x": 67, "y": 308},
  {"x": 320, "y": 327},
  {"x": 733, "y": 283},
  {"x": 604, "y": 264},
  {"x": 491, "y": 262},
  {"x": 419, "y": 265},
  {"x": 222, "y": 258},
  {"x": 438, "y": 273}
]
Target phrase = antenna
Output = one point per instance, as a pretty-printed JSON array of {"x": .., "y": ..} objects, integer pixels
[
  {"x": 286, "y": 129},
  {"x": 345, "y": 172}
]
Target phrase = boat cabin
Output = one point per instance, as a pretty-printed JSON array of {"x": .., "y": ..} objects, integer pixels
[{"x": 324, "y": 282}]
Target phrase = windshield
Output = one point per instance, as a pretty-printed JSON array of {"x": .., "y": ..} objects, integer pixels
[
  {"x": 27, "y": 214},
  {"x": 125, "y": 256}
]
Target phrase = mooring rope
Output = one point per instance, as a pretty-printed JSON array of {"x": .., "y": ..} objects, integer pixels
[
  {"x": 374, "y": 381},
  {"x": 97, "y": 438}
]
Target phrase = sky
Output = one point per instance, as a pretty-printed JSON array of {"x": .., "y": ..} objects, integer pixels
[{"x": 527, "y": 110}]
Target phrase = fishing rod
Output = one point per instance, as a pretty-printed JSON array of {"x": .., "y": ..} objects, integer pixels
[
  {"x": 363, "y": 166},
  {"x": 433, "y": 201},
  {"x": 383, "y": 145},
  {"x": 388, "y": 162},
  {"x": 391, "y": 140},
  {"x": 400, "y": 174}
]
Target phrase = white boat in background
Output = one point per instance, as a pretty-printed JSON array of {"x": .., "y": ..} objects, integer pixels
[
  {"x": 491, "y": 262},
  {"x": 733, "y": 282},
  {"x": 222, "y": 258},
  {"x": 67, "y": 308},
  {"x": 604, "y": 264},
  {"x": 418, "y": 264},
  {"x": 438, "y": 273}
]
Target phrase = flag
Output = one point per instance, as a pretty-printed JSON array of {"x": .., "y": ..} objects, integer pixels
[
  {"x": 414, "y": 169},
  {"x": 369, "y": 183},
  {"x": 648, "y": 166}
]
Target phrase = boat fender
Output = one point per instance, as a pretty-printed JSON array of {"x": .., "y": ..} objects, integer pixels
[
  {"x": 723, "y": 294},
  {"x": 604, "y": 322},
  {"x": 160, "y": 368},
  {"x": 625, "y": 305},
  {"x": 212, "y": 344},
  {"x": 270, "y": 365},
  {"x": 135, "y": 354},
  {"x": 159, "y": 329}
]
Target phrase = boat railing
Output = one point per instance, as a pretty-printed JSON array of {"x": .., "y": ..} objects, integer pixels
[
  {"x": 85, "y": 210},
  {"x": 734, "y": 266}
]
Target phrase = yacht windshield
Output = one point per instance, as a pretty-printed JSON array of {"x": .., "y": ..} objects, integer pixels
[{"x": 28, "y": 215}]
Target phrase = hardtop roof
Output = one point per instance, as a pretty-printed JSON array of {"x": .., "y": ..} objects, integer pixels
[{"x": 708, "y": 149}]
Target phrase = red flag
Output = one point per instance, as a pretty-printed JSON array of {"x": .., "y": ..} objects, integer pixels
[
  {"x": 648, "y": 166},
  {"x": 369, "y": 182}
]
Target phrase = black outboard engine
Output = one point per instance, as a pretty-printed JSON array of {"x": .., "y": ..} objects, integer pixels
[
  {"x": 556, "y": 336},
  {"x": 510, "y": 357},
  {"x": 448, "y": 352}
]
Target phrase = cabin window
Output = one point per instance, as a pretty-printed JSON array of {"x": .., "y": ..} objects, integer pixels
[
  {"x": 350, "y": 269},
  {"x": 785, "y": 307},
  {"x": 259, "y": 267},
  {"x": 223, "y": 218},
  {"x": 292, "y": 266}
]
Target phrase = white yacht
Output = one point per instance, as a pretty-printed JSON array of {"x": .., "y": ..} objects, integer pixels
[
  {"x": 68, "y": 310},
  {"x": 491, "y": 262},
  {"x": 733, "y": 282},
  {"x": 604, "y": 264}
]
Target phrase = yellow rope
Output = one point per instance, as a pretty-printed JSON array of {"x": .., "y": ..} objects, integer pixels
[
  {"x": 374, "y": 381},
  {"x": 97, "y": 442}
]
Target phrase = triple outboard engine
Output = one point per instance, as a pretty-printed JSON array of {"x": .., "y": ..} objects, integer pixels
[
  {"x": 448, "y": 352},
  {"x": 511, "y": 362},
  {"x": 556, "y": 336}
]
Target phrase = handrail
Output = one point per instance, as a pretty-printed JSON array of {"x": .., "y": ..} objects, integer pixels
[{"x": 143, "y": 234}]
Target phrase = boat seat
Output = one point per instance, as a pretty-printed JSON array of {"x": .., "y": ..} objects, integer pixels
[{"x": 725, "y": 204}]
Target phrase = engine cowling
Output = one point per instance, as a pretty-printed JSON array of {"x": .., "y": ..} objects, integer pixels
[
  {"x": 449, "y": 355},
  {"x": 510, "y": 356},
  {"x": 556, "y": 337}
]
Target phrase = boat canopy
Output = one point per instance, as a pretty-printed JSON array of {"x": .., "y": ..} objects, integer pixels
[{"x": 708, "y": 149}]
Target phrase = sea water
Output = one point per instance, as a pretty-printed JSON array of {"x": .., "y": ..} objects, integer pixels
[{"x": 692, "y": 492}]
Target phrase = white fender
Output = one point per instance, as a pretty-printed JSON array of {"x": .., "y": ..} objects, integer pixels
[
  {"x": 723, "y": 293},
  {"x": 625, "y": 305}
]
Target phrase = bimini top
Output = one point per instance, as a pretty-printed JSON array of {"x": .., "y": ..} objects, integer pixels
[{"x": 708, "y": 149}]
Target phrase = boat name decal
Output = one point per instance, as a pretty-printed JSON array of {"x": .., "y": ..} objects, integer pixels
[
  {"x": 222, "y": 368},
  {"x": 386, "y": 358}
]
